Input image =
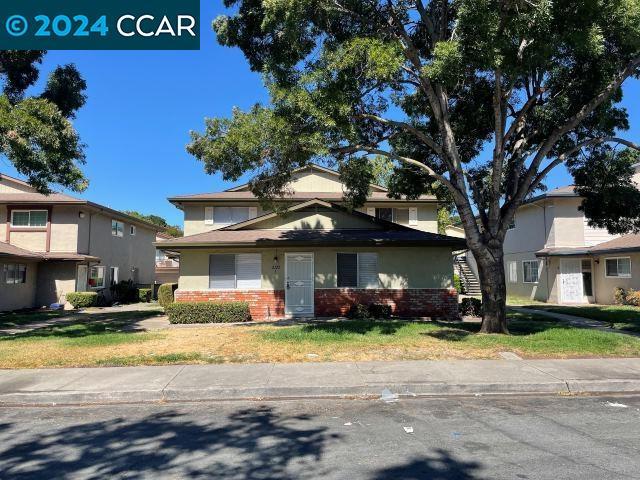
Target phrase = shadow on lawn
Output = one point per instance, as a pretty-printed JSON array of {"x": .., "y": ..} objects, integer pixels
[
  {"x": 248, "y": 443},
  {"x": 85, "y": 324}
]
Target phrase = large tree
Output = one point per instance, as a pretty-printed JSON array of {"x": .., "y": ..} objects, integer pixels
[
  {"x": 479, "y": 99},
  {"x": 36, "y": 133},
  {"x": 173, "y": 230}
]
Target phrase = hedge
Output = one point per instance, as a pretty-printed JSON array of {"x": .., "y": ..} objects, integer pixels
[
  {"x": 165, "y": 294},
  {"x": 144, "y": 295},
  {"x": 208, "y": 312},
  {"x": 371, "y": 311},
  {"x": 82, "y": 299},
  {"x": 471, "y": 306}
]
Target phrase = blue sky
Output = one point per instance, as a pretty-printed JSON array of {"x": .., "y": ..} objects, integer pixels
[{"x": 141, "y": 106}]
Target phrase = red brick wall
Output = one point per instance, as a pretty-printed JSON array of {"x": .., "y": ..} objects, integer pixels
[
  {"x": 334, "y": 302},
  {"x": 264, "y": 304},
  {"x": 411, "y": 302}
]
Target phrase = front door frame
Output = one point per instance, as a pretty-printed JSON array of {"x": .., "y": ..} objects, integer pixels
[
  {"x": 581, "y": 300},
  {"x": 313, "y": 286},
  {"x": 79, "y": 287}
]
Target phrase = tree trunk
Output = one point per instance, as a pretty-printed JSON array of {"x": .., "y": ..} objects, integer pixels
[{"x": 494, "y": 291}]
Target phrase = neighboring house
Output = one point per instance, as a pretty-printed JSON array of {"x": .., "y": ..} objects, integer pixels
[
  {"x": 318, "y": 258},
  {"x": 553, "y": 255},
  {"x": 167, "y": 264},
  {"x": 51, "y": 245}
]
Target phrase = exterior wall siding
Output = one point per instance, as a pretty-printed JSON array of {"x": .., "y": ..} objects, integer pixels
[
  {"x": 22, "y": 295},
  {"x": 335, "y": 302}
]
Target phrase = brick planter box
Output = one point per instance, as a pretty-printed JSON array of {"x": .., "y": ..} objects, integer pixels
[
  {"x": 411, "y": 302},
  {"x": 335, "y": 302},
  {"x": 263, "y": 304}
]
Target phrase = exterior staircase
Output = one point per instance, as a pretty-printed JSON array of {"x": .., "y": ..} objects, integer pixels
[{"x": 468, "y": 279}]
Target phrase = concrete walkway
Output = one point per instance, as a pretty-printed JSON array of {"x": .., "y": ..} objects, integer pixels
[{"x": 388, "y": 380}]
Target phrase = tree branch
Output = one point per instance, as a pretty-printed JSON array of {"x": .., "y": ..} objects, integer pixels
[{"x": 426, "y": 139}]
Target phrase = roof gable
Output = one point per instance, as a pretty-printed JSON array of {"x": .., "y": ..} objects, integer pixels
[
  {"x": 315, "y": 214},
  {"x": 10, "y": 185},
  {"x": 313, "y": 178}
]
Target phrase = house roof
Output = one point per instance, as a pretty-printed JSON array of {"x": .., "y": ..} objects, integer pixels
[
  {"x": 34, "y": 198},
  {"x": 296, "y": 196},
  {"x": 381, "y": 233},
  {"x": 566, "y": 191},
  {"x": 324, "y": 238},
  {"x": 8, "y": 250},
  {"x": 626, "y": 243}
]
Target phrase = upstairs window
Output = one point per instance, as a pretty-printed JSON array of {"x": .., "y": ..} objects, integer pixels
[
  {"x": 224, "y": 216},
  {"x": 117, "y": 228},
  {"x": 15, "y": 273},
  {"x": 619, "y": 267},
  {"x": 29, "y": 218},
  {"x": 357, "y": 270},
  {"x": 385, "y": 214}
]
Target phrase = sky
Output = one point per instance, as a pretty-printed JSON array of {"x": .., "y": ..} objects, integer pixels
[{"x": 142, "y": 104}]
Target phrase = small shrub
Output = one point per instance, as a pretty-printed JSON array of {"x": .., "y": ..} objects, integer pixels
[
  {"x": 632, "y": 297},
  {"x": 457, "y": 284},
  {"x": 165, "y": 294},
  {"x": 144, "y": 295},
  {"x": 208, "y": 312},
  {"x": 124, "y": 291},
  {"x": 358, "y": 310},
  {"x": 471, "y": 307},
  {"x": 82, "y": 299},
  {"x": 379, "y": 310},
  {"x": 619, "y": 296}
]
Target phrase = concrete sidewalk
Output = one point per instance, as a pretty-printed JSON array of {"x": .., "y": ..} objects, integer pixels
[{"x": 316, "y": 380}]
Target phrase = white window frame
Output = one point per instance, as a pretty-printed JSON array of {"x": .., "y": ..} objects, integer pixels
[
  {"x": 132, "y": 230},
  {"x": 118, "y": 232},
  {"x": 537, "y": 262},
  {"x": 358, "y": 285},
  {"x": 104, "y": 280},
  {"x": 114, "y": 275},
  {"x": 216, "y": 222},
  {"x": 29, "y": 211},
  {"x": 617, "y": 259},
  {"x": 16, "y": 270},
  {"x": 235, "y": 272},
  {"x": 514, "y": 264}
]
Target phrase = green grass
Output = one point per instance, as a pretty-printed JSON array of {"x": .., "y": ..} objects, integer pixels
[
  {"x": 620, "y": 317},
  {"x": 530, "y": 334}
]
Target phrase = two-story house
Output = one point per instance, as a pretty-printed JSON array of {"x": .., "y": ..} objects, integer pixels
[
  {"x": 553, "y": 255},
  {"x": 318, "y": 258},
  {"x": 51, "y": 245}
]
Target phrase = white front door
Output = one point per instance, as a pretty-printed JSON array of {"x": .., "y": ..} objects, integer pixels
[
  {"x": 571, "y": 280},
  {"x": 299, "y": 284},
  {"x": 81, "y": 278}
]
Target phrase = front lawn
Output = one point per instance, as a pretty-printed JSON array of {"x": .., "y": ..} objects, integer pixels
[
  {"x": 621, "y": 317},
  {"x": 114, "y": 343}
]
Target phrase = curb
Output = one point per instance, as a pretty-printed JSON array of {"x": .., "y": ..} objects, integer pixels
[{"x": 57, "y": 398}]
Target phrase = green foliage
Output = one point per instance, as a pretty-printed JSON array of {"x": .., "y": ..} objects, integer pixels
[
  {"x": 457, "y": 284},
  {"x": 36, "y": 134},
  {"x": 82, "y": 299},
  {"x": 165, "y": 294},
  {"x": 124, "y": 291},
  {"x": 208, "y": 312},
  {"x": 144, "y": 295},
  {"x": 471, "y": 306},
  {"x": 174, "y": 231},
  {"x": 627, "y": 296},
  {"x": 368, "y": 312},
  {"x": 619, "y": 295}
]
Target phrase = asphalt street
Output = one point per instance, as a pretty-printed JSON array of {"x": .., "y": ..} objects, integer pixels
[{"x": 445, "y": 438}]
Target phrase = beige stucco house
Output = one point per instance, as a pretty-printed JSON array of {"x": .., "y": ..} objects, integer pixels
[
  {"x": 318, "y": 258},
  {"x": 553, "y": 255},
  {"x": 51, "y": 245}
]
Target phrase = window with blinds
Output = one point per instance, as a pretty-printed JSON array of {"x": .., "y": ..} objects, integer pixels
[
  {"x": 235, "y": 271},
  {"x": 357, "y": 270}
]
